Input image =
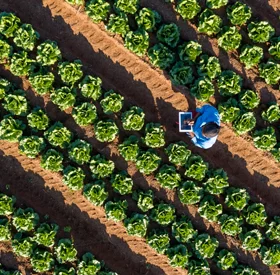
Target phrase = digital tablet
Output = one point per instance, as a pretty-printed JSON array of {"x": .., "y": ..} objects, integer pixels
[{"x": 183, "y": 126}]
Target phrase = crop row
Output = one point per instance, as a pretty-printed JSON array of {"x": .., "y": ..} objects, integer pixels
[
  {"x": 200, "y": 72},
  {"x": 4, "y": 271},
  {"x": 38, "y": 241},
  {"x": 59, "y": 136}
]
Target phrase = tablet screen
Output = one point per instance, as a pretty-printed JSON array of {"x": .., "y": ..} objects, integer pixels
[{"x": 183, "y": 117}]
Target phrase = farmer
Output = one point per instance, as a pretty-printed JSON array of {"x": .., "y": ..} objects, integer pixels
[{"x": 206, "y": 126}]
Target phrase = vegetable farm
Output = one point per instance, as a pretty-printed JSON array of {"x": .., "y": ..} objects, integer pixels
[{"x": 95, "y": 176}]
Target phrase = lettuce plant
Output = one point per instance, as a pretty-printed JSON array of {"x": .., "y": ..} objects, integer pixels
[
  {"x": 169, "y": 34},
  {"x": 5, "y": 86},
  {"x": 205, "y": 246},
  {"x": 226, "y": 259},
  {"x": 116, "y": 211},
  {"x": 189, "y": 51},
  {"x": 276, "y": 154},
  {"x": 11, "y": 129},
  {"x": 270, "y": 255},
  {"x": 181, "y": 74},
  {"x": 196, "y": 168},
  {"x": 251, "y": 240},
  {"x": 178, "y": 256},
  {"x": 70, "y": 72},
  {"x": 129, "y": 149},
  {"x": 209, "y": 22},
  {"x": 73, "y": 177},
  {"x": 229, "y": 83},
  {"x": 265, "y": 139},
  {"x": 106, "y": 131},
  {"x": 147, "y": 162},
  {"x": 62, "y": 270},
  {"x": 200, "y": 267},
  {"x": 9, "y": 24},
  {"x": 159, "y": 240},
  {"x": 209, "y": 66},
  {"x": 97, "y": 10},
  {"x": 236, "y": 198},
  {"x": 230, "y": 39},
  {"x": 147, "y": 19},
  {"x": 210, "y": 209},
  {"x": 239, "y": 13},
  {"x": 6, "y": 205},
  {"x": 244, "y": 270},
  {"x": 260, "y": 32},
  {"x": 178, "y": 153},
  {"x": 45, "y": 234},
  {"x": 58, "y": 135},
  {"x": 122, "y": 183},
  {"x": 137, "y": 42},
  {"x": 216, "y": 4},
  {"x": 25, "y": 219},
  {"x": 137, "y": 225},
  {"x": 251, "y": 55},
  {"x": 168, "y": 177},
  {"x": 144, "y": 199},
  {"x": 65, "y": 251},
  {"x": 90, "y": 87},
  {"x": 64, "y": 98},
  {"x": 273, "y": 229},
  {"x": 5, "y": 231},
  {"x": 22, "y": 246},
  {"x": 127, "y": 6},
  {"x": 231, "y": 224},
  {"x": 79, "y": 151},
  {"x": 31, "y": 146},
  {"x": 161, "y": 56},
  {"x": 42, "y": 83},
  {"x": 25, "y": 37},
  {"x": 272, "y": 114},
  {"x": 88, "y": 265},
  {"x": 84, "y": 114},
  {"x": 229, "y": 110},
  {"x": 270, "y": 71},
  {"x": 203, "y": 89},
  {"x": 249, "y": 99},
  {"x": 188, "y": 9},
  {"x": 133, "y": 119},
  {"x": 244, "y": 123},
  {"x": 75, "y": 2},
  {"x": 5, "y": 52},
  {"x": 217, "y": 181},
  {"x": 112, "y": 102},
  {"x": 52, "y": 160},
  {"x": 16, "y": 103},
  {"x": 101, "y": 167},
  {"x": 183, "y": 231},
  {"x": 163, "y": 214},
  {"x": 21, "y": 64},
  {"x": 48, "y": 53},
  {"x": 118, "y": 23},
  {"x": 41, "y": 260},
  {"x": 274, "y": 49},
  {"x": 255, "y": 214},
  {"x": 190, "y": 193},
  {"x": 96, "y": 192},
  {"x": 154, "y": 135},
  {"x": 38, "y": 119}
]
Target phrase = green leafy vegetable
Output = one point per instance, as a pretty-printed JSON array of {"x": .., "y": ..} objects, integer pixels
[
  {"x": 21, "y": 64},
  {"x": 159, "y": 240},
  {"x": 5, "y": 231},
  {"x": 205, "y": 246},
  {"x": 168, "y": 177},
  {"x": 169, "y": 34},
  {"x": 118, "y": 24},
  {"x": 270, "y": 71},
  {"x": 229, "y": 110},
  {"x": 58, "y": 135},
  {"x": 129, "y": 149},
  {"x": 190, "y": 193},
  {"x": 96, "y": 192},
  {"x": 178, "y": 256},
  {"x": 209, "y": 22},
  {"x": 137, "y": 42},
  {"x": 244, "y": 270},
  {"x": 154, "y": 135},
  {"x": 116, "y": 211},
  {"x": 209, "y": 66},
  {"x": 41, "y": 260},
  {"x": 217, "y": 181},
  {"x": 210, "y": 209},
  {"x": 65, "y": 251},
  {"x": 255, "y": 214},
  {"x": 273, "y": 229},
  {"x": 144, "y": 199},
  {"x": 101, "y": 167},
  {"x": 97, "y": 10},
  {"x": 260, "y": 32},
  {"x": 216, "y": 4},
  {"x": 237, "y": 198},
  {"x": 181, "y": 74},
  {"x": 22, "y": 246},
  {"x": 272, "y": 114},
  {"x": 147, "y": 19},
  {"x": 91, "y": 87},
  {"x": 244, "y": 123},
  {"x": 48, "y": 53},
  {"x": 147, "y": 162},
  {"x": 196, "y": 168},
  {"x": 70, "y": 72},
  {"x": 178, "y": 153},
  {"x": 16, "y": 103},
  {"x": 75, "y": 2},
  {"x": 239, "y": 13},
  {"x": 64, "y": 97},
  {"x": 11, "y": 129},
  {"x": 265, "y": 139},
  {"x": 5, "y": 52},
  {"x": 112, "y": 102},
  {"x": 25, "y": 219},
  {"x": 229, "y": 83},
  {"x": 88, "y": 265},
  {"x": 6, "y": 205},
  {"x": 251, "y": 240},
  {"x": 52, "y": 160},
  {"x": 249, "y": 99},
  {"x": 31, "y": 146},
  {"x": 5, "y": 85},
  {"x": 274, "y": 49},
  {"x": 133, "y": 119},
  {"x": 276, "y": 154},
  {"x": 127, "y": 6},
  {"x": 25, "y": 37},
  {"x": 84, "y": 114},
  {"x": 226, "y": 259},
  {"x": 203, "y": 89},
  {"x": 163, "y": 214},
  {"x": 45, "y": 234},
  {"x": 251, "y": 55},
  {"x": 73, "y": 177},
  {"x": 122, "y": 183},
  {"x": 137, "y": 225},
  {"x": 61, "y": 270},
  {"x": 106, "y": 131},
  {"x": 183, "y": 231},
  {"x": 231, "y": 224},
  {"x": 271, "y": 255},
  {"x": 38, "y": 119},
  {"x": 230, "y": 39},
  {"x": 189, "y": 51},
  {"x": 42, "y": 83},
  {"x": 9, "y": 23},
  {"x": 79, "y": 151},
  {"x": 188, "y": 9},
  {"x": 198, "y": 267}
]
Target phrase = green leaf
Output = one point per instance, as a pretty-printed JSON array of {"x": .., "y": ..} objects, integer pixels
[
  {"x": 116, "y": 211},
  {"x": 11, "y": 129},
  {"x": 118, "y": 24},
  {"x": 129, "y": 149},
  {"x": 88, "y": 265},
  {"x": 25, "y": 37},
  {"x": 73, "y": 177},
  {"x": 244, "y": 270},
  {"x": 251, "y": 55},
  {"x": 9, "y": 23},
  {"x": 70, "y": 72},
  {"x": 97, "y": 10},
  {"x": 205, "y": 246},
  {"x": 271, "y": 255},
  {"x": 137, "y": 42},
  {"x": 210, "y": 209},
  {"x": 178, "y": 256},
  {"x": 52, "y": 160},
  {"x": 101, "y": 167},
  {"x": 127, "y": 6},
  {"x": 226, "y": 259},
  {"x": 255, "y": 214},
  {"x": 189, "y": 51},
  {"x": 16, "y": 103},
  {"x": 6, "y": 205},
  {"x": 178, "y": 153},
  {"x": 147, "y": 19},
  {"x": 21, "y": 64},
  {"x": 154, "y": 135},
  {"x": 31, "y": 146},
  {"x": 265, "y": 139},
  {"x": 75, "y": 2},
  {"x": 84, "y": 114},
  {"x": 229, "y": 83},
  {"x": 236, "y": 198},
  {"x": 133, "y": 119},
  {"x": 112, "y": 102},
  {"x": 122, "y": 183},
  {"x": 272, "y": 114},
  {"x": 58, "y": 135},
  {"x": 48, "y": 53},
  {"x": 5, "y": 52},
  {"x": 168, "y": 177},
  {"x": 251, "y": 240},
  {"x": 274, "y": 49},
  {"x": 5, "y": 231},
  {"x": 231, "y": 224},
  {"x": 96, "y": 192},
  {"x": 163, "y": 214},
  {"x": 45, "y": 234},
  {"x": 244, "y": 123},
  {"x": 203, "y": 89},
  {"x": 22, "y": 246},
  {"x": 181, "y": 74},
  {"x": 147, "y": 162},
  {"x": 229, "y": 110},
  {"x": 169, "y": 34},
  {"x": 106, "y": 131},
  {"x": 249, "y": 99},
  {"x": 38, "y": 119},
  {"x": 25, "y": 219},
  {"x": 216, "y": 4},
  {"x": 190, "y": 193},
  {"x": 198, "y": 267},
  {"x": 239, "y": 13},
  {"x": 270, "y": 71},
  {"x": 209, "y": 22},
  {"x": 41, "y": 260},
  {"x": 209, "y": 66},
  {"x": 5, "y": 86},
  {"x": 196, "y": 168},
  {"x": 65, "y": 251},
  {"x": 260, "y": 32},
  {"x": 159, "y": 240},
  {"x": 183, "y": 231},
  {"x": 64, "y": 98},
  {"x": 42, "y": 83},
  {"x": 230, "y": 39},
  {"x": 144, "y": 199},
  {"x": 188, "y": 9},
  {"x": 217, "y": 181},
  {"x": 79, "y": 151},
  {"x": 276, "y": 154},
  {"x": 60, "y": 270},
  {"x": 137, "y": 225},
  {"x": 273, "y": 229},
  {"x": 91, "y": 87}
]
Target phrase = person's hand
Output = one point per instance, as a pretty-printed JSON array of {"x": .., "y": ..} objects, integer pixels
[
  {"x": 191, "y": 134},
  {"x": 188, "y": 122}
]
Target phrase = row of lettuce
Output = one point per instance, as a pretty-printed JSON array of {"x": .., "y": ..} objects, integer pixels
[
  {"x": 199, "y": 71},
  {"x": 79, "y": 151},
  {"x": 38, "y": 241}
]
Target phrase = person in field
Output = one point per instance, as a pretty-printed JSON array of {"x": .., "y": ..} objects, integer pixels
[{"x": 206, "y": 126}]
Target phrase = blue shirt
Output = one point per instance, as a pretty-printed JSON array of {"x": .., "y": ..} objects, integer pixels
[{"x": 208, "y": 114}]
